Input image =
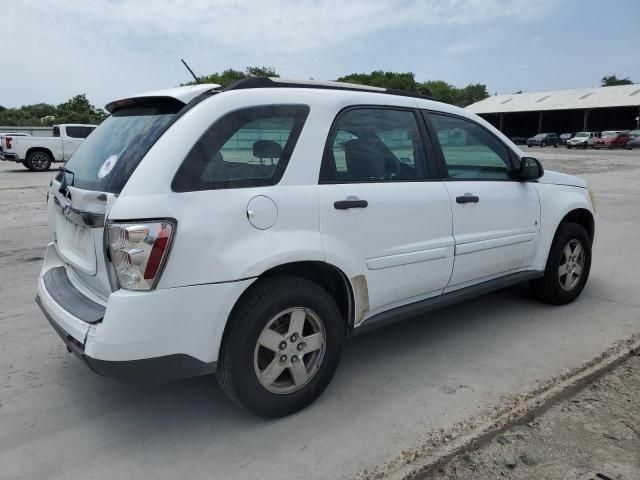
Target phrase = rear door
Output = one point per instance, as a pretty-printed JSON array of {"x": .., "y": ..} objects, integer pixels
[
  {"x": 82, "y": 194},
  {"x": 496, "y": 219},
  {"x": 383, "y": 219}
]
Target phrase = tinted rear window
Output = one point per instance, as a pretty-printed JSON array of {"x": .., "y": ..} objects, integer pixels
[
  {"x": 79, "y": 132},
  {"x": 246, "y": 148},
  {"x": 107, "y": 158}
]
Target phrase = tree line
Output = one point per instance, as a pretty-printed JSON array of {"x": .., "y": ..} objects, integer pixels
[
  {"x": 78, "y": 109},
  {"x": 438, "y": 89}
]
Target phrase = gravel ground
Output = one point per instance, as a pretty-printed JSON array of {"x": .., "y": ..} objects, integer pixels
[
  {"x": 592, "y": 435},
  {"x": 578, "y": 161}
]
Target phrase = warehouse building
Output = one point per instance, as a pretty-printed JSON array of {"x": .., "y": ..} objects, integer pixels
[{"x": 563, "y": 111}]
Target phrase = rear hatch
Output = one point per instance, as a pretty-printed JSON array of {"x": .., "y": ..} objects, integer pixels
[{"x": 84, "y": 191}]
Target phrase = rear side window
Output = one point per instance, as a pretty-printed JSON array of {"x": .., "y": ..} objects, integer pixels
[
  {"x": 105, "y": 161},
  {"x": 79, "y": 132},
  {"x": 246, "y": 148}
]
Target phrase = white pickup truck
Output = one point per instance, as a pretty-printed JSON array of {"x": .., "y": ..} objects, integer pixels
[{"x": 37, "y": 153}]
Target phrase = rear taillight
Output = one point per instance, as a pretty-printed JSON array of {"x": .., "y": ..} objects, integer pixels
[
  {"x": 7, "y": 142},
  {"x": 138, "y": 251}
]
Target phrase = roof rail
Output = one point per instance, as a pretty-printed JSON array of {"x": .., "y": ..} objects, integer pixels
[{"x": 276, "y": 82}]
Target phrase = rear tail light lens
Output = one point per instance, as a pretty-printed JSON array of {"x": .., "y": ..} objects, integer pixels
[
  {"x": 7, "y": 142},
  {"x": 138, "y": 252}
]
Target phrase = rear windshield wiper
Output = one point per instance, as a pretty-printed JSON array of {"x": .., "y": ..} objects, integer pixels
[{"x": 64, "y": 181}]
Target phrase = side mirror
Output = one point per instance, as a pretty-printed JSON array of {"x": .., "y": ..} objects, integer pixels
[{"x": 530, "y": 169}]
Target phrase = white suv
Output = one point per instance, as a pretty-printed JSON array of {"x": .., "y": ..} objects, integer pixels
[
  {"x": 582, "y": 140},
  {"x": 249, "y": 231}
]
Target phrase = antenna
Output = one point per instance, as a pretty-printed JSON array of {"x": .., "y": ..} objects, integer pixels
[{"x": 190, "y": 71}]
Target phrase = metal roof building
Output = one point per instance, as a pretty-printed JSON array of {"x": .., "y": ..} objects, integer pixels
[{"x": 591, "y": 109}]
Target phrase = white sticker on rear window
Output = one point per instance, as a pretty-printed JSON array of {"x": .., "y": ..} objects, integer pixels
[{"x": 107, "y": 166}]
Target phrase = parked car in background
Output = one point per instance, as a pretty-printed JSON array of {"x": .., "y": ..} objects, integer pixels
[
  {"x": 519, "y": 140},
  {"x": 564, "y": 137},
  {"x": 582, "y": 140},
  {"x": 612, "y": 139},
  {"x": 332, "y": 218},
  {"x": 544, "y": 139},
  {"x": 38, "y": 153},
  {"x": 634, "y": 141}
]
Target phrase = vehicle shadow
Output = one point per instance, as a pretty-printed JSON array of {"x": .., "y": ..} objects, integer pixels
[{"x": 373, "y": 365}]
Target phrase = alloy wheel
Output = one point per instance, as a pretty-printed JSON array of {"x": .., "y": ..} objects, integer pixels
[
  {"x": 289, "y": 350},
  {"x": 571, "y": 265}
]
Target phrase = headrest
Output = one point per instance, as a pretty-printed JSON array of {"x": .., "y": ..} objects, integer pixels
[
  {"x": 365, "y": 159},
  {"x": 266, "y": 149}
]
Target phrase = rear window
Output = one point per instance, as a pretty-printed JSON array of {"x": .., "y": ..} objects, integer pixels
[
  {"x": 107, "y": 158},
  {"x": 79, "y": 132},
  {"x": 246, "y": 148}
]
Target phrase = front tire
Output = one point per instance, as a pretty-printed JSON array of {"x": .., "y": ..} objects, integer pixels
[
  {"x": 38, "y": 161},
  {"x": 567, "y": 267},
  {"x": 282, "y": 346}
]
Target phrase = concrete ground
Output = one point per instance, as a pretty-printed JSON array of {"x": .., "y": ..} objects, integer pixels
[
  {"x": 592, "y": 435},
  {"x": 59, "y": 420}
]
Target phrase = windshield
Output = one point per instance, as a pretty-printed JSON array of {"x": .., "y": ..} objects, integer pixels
[
  {"x": 582, "y": 134},
  {"x": 540, "y": 135},
  {"x": 107, "y": 158},
  {"x": 609, "y": 134}
]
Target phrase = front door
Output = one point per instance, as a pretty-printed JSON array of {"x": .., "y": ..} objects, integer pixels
[
  {"x": 496, "y": 219},
  {"x": 383, "y": 221}
]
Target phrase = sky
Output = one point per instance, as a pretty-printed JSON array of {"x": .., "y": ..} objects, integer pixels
[{"x": 107, "y": 49}]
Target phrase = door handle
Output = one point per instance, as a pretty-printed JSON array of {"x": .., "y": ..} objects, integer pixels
[
  {"x": 347, "y": 204},
  {"x": 468, "y": 198}
]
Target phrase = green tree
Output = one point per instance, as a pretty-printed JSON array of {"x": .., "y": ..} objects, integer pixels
[
  {"x": 228, "y": 76},
  {"x": 611, "y": 80},
  {"x": 379, "y": 78},
  {"x": 472, "y": 93},
  {"x": 77, "y": 109},
  {"x": 441, "y": 91}
]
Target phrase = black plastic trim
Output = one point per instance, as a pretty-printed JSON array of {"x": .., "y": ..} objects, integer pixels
[
  {"x": 79, "y": 217},
  {"x": 147, "y": 370},
  {"x": 425, "y": 306},
  {"x": 267, "y": 82},
  {"x": 62, "y": 291}
]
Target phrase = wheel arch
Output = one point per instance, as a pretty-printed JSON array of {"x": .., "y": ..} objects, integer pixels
[
  {"x": 328, "y": 276},
  {"x": 582, "y": 217},
  {"x": 39, "y": 149}
]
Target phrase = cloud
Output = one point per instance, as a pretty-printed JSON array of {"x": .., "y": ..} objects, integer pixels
[
  {"x": 100, "y": 47},
  {"x": 283, "y": 25}
]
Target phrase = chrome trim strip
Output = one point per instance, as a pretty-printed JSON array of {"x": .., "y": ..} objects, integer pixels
[{"x": 79, "y": 217}]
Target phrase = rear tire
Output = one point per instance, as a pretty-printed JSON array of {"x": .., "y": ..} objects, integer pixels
[
  {"x": 568, "y": 266},
  {"x": 282, "y": 346},
  {"x": 38, "y": 161},
  {"x": 543, "y": 144}
]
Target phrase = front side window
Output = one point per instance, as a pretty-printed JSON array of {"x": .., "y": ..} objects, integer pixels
[
  {"x": 374, "y": 145},
  {"x": 470, "y": 151},
  {"x": 246, "y": 148}
]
